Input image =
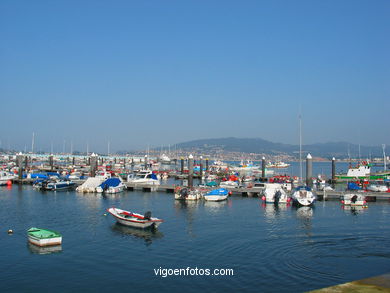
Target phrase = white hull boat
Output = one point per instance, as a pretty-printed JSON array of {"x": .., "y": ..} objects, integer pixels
[
  {"x": 111, "y": 185},
  {"x": 187, "y": 194},
  {"x": 134, "y": 220},
  {"x": 5, "y": 177},
  {"x": 274, "y": 193},
  {"x": 303, "y": 196},
  {"x": 353, "y": 199},
  {"x": 90, "y": 185},
  {"x": 44, "y": 237},
  {"x": 229, "y": 184},
  {"x": 217, "y": 195}
]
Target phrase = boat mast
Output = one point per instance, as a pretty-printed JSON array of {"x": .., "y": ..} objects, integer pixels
[
  {"x": 32, "y": 142},
  {"x": 384, "y": 156},
  {"x": 300, "y": 147}
]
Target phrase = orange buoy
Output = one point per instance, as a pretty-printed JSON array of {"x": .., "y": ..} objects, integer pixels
[{"x": 9, "y": 183}]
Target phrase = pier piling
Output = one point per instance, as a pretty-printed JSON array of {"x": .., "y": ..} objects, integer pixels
[
  {"x": 182, "y": 165},
  {"x": 333, "y": 169},
  {"x": 263, "y": 169},
  {"x": 94, "y": 164},
  {"x": 201, "y": 168},
  {"x": 309, "y": 170},
  {"x": 51, "y": 162},
  {"x": 190, "y": 171},
  {"x": 207, "y": 164},
  {"x": 19, "y": 162}
]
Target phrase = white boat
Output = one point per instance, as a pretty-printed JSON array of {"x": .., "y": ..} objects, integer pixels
[
  {"x": 184, "y": 193},
  {"x": 274, "y": 193},
  {"x": 376, "y": 187},
  {"x": 277, "y": 165},
  {"x": 217, "y": 195},
  {"x": 55, "y": 184},
  {"x": 145, "y": 177},
  {"x": 229, "y": 184},
  {"x": 5, "y": 177},
  {"x": 43, "y": 237},
  {"x": 303, "y": 196},
  {"x": 135, "y": 220},
  {"x": 353, "y": 199},
  {"x": 360, "y": 172},
  {"x": 111, "y": 185},
  {"x": 89, "y": 185},
  {"x": 164, "y": 159}
]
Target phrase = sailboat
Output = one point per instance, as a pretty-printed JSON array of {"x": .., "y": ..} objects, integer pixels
[{"x": 302, "y": 195}]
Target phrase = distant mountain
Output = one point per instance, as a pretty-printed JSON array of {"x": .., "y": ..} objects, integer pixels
[{"x": 258, "y": 145}]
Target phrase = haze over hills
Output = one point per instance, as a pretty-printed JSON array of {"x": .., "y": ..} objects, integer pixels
[{"x": 259, "y": 145}]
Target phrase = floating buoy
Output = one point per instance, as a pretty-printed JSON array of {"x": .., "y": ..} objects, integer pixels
[
  {"x": 104, "y": 214},
  {"x": 263, "y": 197},
  {"x": 10, "y": 231},
  {"x": 9, "y": 183}
]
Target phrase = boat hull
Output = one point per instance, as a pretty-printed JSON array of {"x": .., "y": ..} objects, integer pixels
[
  {"x": 215, "y": 197},
  {"x": 46, "y": 241},
  {"x": 132, "y": 222}
]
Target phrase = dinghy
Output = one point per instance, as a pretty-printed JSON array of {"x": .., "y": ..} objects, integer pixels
[
  {"x": 134, "y": 220},
  {"x": 44, "y": 237}
]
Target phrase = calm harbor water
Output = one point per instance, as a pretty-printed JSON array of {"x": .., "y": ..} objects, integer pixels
[{"x": 270, "y": 249}]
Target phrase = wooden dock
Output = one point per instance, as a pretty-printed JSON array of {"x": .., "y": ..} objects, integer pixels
[{"x": 240, "y": 191}]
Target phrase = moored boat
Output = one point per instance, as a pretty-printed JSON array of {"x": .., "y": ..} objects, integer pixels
[
  {"x": 217, "y": 195},
  {"x": 184, "y": 193},
  {"x": 135, "y": 220},
  {"x": 44, "y": 237},
  {"x": 303, "y": 196},
  {"x": 274, "y": 193},
  {"x": 5, "y": 177},
  {"x": 353, "y": 199},
  {"x": 111, "y": 185},
  {"x": 55, "y": 185}
]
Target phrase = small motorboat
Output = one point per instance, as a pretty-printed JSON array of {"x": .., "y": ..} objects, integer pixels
[
  {"x": 133, "y": 219},
  {"x": 274, "y": 193},
  {"x": 144, "y": 178},
  {"x": 184, "y": 193},
  {"x": 377, "y": 187},
  {"x": 228, "y": 183},
  {"x": 217, "y": 195},
  {"x": 55, "y": 184},
  {"x": 111, "y": 185},
  {"x": 89, "y": 185},
  {"x": 303, "y": 196},
  {"x": 353, "y": 199},
  {"x": 44, "y": 237},
  {"x": 5, "y": 177}
]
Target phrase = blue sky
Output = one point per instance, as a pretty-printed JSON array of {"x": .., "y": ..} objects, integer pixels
[{"x": 162, "y": 72}]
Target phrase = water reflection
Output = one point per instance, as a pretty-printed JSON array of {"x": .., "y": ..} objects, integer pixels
[
  {"x": 354, "y": 210},
  {"x": 271, "y": 211},
  {"x": 216, "y": 206},
  {"x": 305, "y": 215},
  {"x": 148, "y": 235},
  {"x": 44, "y": 250}
]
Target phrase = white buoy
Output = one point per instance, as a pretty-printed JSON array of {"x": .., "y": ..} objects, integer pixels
[{"x": 10, "y": 231}]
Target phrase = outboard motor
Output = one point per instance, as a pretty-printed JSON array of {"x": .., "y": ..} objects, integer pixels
[
  {"x": 148, "y": 215},
  {"x": 354, "y": 198},
  {"x": 277, "y": 196},
  {"x": 184, "y": 193}
]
